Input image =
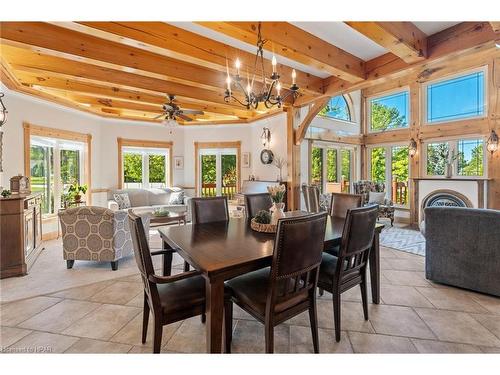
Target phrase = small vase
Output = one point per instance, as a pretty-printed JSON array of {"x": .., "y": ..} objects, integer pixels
[
  {"x": 78, "y": 198},
  {"x": 277, "y": 212}
]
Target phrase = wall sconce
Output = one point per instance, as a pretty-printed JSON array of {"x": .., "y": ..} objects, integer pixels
[
  {"x": 412, "y": 148},
  {"x": 492, "y": 142},
  {"x": 266, "y": 137},
  {"x": 3, "y": 110}
]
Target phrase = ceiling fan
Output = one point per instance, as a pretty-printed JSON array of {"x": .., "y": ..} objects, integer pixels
[{"x": 172, "y": 111}]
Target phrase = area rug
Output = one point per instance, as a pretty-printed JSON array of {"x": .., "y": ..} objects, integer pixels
[{"x": 408, "y": 240}]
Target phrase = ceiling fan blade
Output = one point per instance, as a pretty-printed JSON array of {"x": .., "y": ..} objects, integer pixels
[
  {"x": 157, "y": 117},
  {"x": 168, "y": 107},
  {"x": 192, "y": 112},
  {"x": 185, "y": 118}
]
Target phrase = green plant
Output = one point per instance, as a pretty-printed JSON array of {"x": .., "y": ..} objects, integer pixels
[
  {"x": 76, "y": 189},
  {"x": 263, "y": 217},
  {"x": 6, "y": 193}
]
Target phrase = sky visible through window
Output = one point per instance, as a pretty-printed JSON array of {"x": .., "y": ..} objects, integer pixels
[
  {"x": 457, "y": 98},
  {"x": 337, "y": 108},
  {"x": 390, "y": 112}
]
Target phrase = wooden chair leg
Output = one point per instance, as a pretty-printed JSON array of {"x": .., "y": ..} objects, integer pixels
[
  {"x": 364, "y": 296},
  {"x": 158, "y": 331},
  {"x": 336, "y": 313},
  {"x": 269, "y": 328},
  {"x": 69, "y": 264},
  {"x": 114, "y": 265},
  {"x": 145, "y": 319},
  {"x": 313, "y": 318},
  {"x": 228, "y": 325},
  {"x": 186, "y": 266}
]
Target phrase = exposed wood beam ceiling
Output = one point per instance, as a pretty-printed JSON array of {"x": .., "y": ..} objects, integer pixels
[{"x": 125, "y": 69}]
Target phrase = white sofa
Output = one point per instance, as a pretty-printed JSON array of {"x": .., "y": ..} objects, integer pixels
[{"x": 146, "y": 200}]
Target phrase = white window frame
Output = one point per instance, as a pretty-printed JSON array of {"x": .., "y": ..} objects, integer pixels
[
  {"x": 339, "y": 147},
  {"x": 425, "y": 85},
  {"x": 381, "y": 95},
  {"x": 218, "y": 152},
  {"x": 453, "y": 146},
  {"x": 388, "y": 168},
  {"x": 146, "y": 152},
  {"x": 350, "y": 107}
]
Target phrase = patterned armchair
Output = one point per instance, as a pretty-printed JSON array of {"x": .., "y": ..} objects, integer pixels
[
  {"x": 363, "y": 187},
  {"x": 95, "y": 233}
]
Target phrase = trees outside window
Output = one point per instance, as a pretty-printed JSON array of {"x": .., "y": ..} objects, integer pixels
[
  {"x": 317, "y": 167},
  {"x": 465, "y": 155},
  {"x": 336, "y": 108},
  {"x": 389, "y": 112},
  {"x": 145, "y": 167},
  {"x": 331, "y": 164}
]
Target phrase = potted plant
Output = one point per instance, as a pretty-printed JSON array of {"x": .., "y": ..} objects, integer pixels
[
  {"x": 75, "y": 190},
  {"x": 277, "y": 194}
]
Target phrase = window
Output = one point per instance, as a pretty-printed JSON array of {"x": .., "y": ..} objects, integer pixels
[
  {"x": 145, "y": 168},
  {"x": 337, "y": 108},
  {"x": 331, "y": 168},
  {"x": 457, "y": 98},
  {"x": 57, "y": 159},
  {"x": 465, "y": 157},
  {"x": 389, "y": 112},
  {"x": 390, "y": 165}
]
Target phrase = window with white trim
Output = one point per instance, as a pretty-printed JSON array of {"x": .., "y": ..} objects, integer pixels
[
  {"x": 389, "y": 112},
  {"x": 331, "y": 167},
  {"x": 145, "y": 167}
]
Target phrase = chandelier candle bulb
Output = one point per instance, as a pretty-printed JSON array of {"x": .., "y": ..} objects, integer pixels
[
  {"x": 238, "y": 65},
  {"x": 278, "y": 88},
  {"x": 294, "y": 76},
  {"x": 274, "y": 64}
]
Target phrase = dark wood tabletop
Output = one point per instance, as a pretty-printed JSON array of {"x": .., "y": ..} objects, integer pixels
[{"x": 223, "y": 250}]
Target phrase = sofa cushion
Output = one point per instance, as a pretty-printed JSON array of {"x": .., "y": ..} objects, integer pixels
[
  {"x": 176, "y": 197},
  {"x": 123, "y": 200},
  {"x": 158, "y": 196},
  {"x": 376, "y": 197}
]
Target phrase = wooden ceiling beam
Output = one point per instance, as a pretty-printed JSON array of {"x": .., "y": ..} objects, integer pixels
[
  {"x": 24, "y": 60},
  {"x": 296, "y": 44},
  {"x": 403, "y": 39},
  {"x": 183, "y": 45},
  {"x": 33, "y": 79},
  {"x": 495, "y": 25}
]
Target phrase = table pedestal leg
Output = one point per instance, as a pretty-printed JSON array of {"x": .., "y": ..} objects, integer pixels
[
  {"x": 375, "y": 269},
  {"x": 215, "y": 312}
]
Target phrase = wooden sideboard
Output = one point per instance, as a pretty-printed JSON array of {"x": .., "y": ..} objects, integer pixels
[{"x": 20, "y": 233}]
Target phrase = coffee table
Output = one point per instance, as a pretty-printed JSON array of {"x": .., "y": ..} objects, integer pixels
[{"x": 158, "y": 221}]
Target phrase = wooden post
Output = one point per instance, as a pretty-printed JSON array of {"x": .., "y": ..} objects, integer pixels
[
  {"x": 493, "y": 200},
  {"x": 414, "y": 170}
]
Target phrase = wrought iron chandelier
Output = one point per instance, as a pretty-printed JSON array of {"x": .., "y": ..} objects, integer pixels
[{"x": 268, "y": 93}]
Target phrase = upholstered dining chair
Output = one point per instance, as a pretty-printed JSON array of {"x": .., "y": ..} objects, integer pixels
[
  {"x": 208, "y": 210},
  {"x": 169, "y": 298},
  {"x": 339, "y": 274},
  {"x": 257, "y": 202},
  {"x": 342, "y": 202},
  {"x": 311, "y": 198},
  {"x": 275, "y": 294}
]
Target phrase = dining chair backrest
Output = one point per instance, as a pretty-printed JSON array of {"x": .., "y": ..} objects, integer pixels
[
  {"x": 142, "y": 255},
  {"x": 209, "y": 210},
  {"x": 296, "y": 257},
  {"x": 311, "y": 198},
  {"x": 341, "y": 202},
  {"x": 356, "y": 242},
  {"x": 257, "y": 202}
]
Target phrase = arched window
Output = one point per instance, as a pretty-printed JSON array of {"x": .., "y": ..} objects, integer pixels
[{"x": 337, "y": 108}]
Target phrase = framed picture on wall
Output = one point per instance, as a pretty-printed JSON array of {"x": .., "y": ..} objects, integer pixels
[
  {"x": 245, "y": 160},
  {"x": 178, "y": 162}
]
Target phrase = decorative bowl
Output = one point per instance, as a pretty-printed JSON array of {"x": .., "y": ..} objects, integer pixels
[
  {"x": 161, "y": 213},
  {"x": 264, "y": 228}
]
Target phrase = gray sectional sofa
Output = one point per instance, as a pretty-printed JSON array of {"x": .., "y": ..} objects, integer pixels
[
  {"x": 146, "y": 200},
  {"x": 463, "y": 248}
]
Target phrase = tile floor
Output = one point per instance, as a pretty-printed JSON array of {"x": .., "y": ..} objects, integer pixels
[{"x": 415, "y": 316}]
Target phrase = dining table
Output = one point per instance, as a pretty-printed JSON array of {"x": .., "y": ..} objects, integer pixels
[{"x": 226, "y": 249}]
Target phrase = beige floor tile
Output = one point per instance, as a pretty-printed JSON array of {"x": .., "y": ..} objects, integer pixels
[
  {"x": 60, "y": 316},
  {"x": 457, "y": 327},
  {"x": 132, "y": 332},
  {"x": 432, "y": 346},
  {"x": 190, "y": 337},
  {"x": 491, "y": 322},
  {"x": 249, "y": 337},
  {"x": 83, "y": 292},
  {"x": 43, "y": 342},
  {"x": 118, "y": 293},
  {"x": 451, "y": 299},
  {"x": 406, "y": 264},
  {"x": 490, "y": 349},
  {"x": 490, "y": 303},
  {"x": 301, "y": 341},
  {"x": 13, "y": 313},
  {"x": 386, "y": 252},
  {"x": 148, "y": 350},
  {"x": 352, "y": 318},
  {"x": 103, "y": 322},
  {"x": 372, "y": 343},
  {"x": 9, "y": 336},
  {"x": 385, "y": 264},
  {"x": 137, "y": 278},
  {"x": 137, "y": 301},
  {"x": 408, "y": 278},
  {"x": 398, "y": 321},
  {"x": 403, "y": 296},
  {"x": 239, "y": 313},
  {"x": 96, "y": 346}
]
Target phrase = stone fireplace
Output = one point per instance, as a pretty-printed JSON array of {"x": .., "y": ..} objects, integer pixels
[{"x": 448, "y": 192}]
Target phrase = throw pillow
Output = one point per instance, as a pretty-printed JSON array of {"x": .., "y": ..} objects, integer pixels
[
  {"x": 377, "y": 198},
  {"x": 176, "y": 197},
  {"x": 123, "y": 200}
]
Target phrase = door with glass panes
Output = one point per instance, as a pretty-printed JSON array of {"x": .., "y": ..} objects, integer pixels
[{"x": 218, "y": 174}]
